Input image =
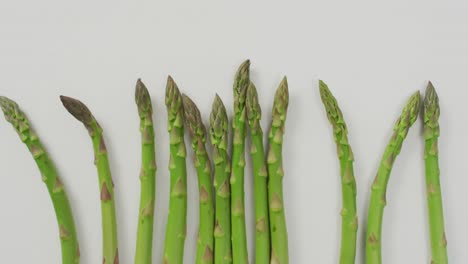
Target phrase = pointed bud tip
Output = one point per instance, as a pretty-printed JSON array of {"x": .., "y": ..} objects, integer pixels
[
  {"x": 188, "y": 103},
  {"x": 416, "y": 97},
  {"x": 245, "y": 66},
  {"x": 251, "y": 91},
  {"x": 76, "y": 108},
  {"x": 169, "y": 78},
  {"x": 283, "y": 90},
  {"x": 323, "y": 88},
  {"x": 218, "y": 108},
  {"x": 430, "y": 91},
  {"x": 217, "y": 99},
  {"x": 142, "y": 97},
  {"x": 5, "y": 101},
  {"x": 7, "y": 105}
]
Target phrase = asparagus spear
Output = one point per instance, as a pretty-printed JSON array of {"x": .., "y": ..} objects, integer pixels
[
  {"x": 177, "y": 218},
  {"x": 219, "y": 140},
  {"x": 434, "y": 194},
  {"x": 205, "y": 187},
  {"x": 109, "y": 225},
  {"x": 63, "y": 211},
  {"x": 239, "y": 237},
  {"x": 278, "y": 231},
  {"x": 262, "y": 234},
  {"x": 349, "y": 222},
  {"x": 379, "y": 186},
  {"x": 144, "y": 244}
]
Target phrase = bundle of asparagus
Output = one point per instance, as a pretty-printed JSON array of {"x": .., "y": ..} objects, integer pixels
[{"x": 222, "y": 236}]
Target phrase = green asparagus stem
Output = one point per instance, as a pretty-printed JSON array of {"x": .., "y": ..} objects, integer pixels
[
  {"x": 379, "y": 186},
  {"x": 239, "y": 237},
  {"x": 144, "y": 244},
  {"x": 177, "y": 218},
  {"x": 262, "y": 220},
  {"x": 278, "y": 230},
  {"x": 434, "y": 194},
  {"x": 219, "y": 140},
  {"x": 63, "y": 212},
  {"x": 106, "y": 185},
  {"x": 202, "y": 162},
  {"x": 349, "y": 224}
]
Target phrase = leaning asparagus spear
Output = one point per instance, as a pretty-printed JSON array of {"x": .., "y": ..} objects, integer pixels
[
  {"x": 106, "y": 185},
  {"x": 239, "y": 237},
  {"x": 278, "y": 231},
  {"x": 349, "y": 223},
  {"x": 379, "y": 186},
  {"x": 219, "y": 140},
  {"x": 260, "y": 174},
  {"x": 144, "y": 244},
  {"x": 63, "y": 212},
  {"x": 434, "y": 194},
  {"x": 205, "y": 185},
  {"x": 177, "y": 218}
]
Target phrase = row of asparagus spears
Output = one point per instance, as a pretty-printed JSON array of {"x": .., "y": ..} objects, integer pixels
[{"x": 222, "y": 228}]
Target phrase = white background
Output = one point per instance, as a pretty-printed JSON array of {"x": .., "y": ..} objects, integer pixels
[{"x": 372, "y": 54}]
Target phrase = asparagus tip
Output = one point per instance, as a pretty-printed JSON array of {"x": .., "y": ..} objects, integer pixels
[
  {"x": 173, "y": 96},
  {"x": 411, "y": 109},
  {"x": 282, "y": 95},
  {"x": 331, "y": 106},
  {"x": 10, "y": 109},
  {"x": 241, "y": 84},
  {"x": 142, "y": 97},
  {"x": 325, "y": 92},
  {"x": 193, "y": 119},
  {"x": 430, "y": 92},
  {"x": 218, "y": 117},
  {"x": 77, "y": 109},
  {"x": 253, "y": 107},
  {"x": 431, "y": 104},
  {"x": 6, "y": 104}
]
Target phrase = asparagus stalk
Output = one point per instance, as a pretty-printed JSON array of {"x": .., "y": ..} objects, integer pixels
[
  {"x": 109, "y": 225},
  {"x": 63, "y": 211},
  {"x": 219, "y": 141},
  {"x": 278, "y": 230},
  {"x": 144, "y": 244},
  {"x": 434, "y": 194},
  {"x": 239, "y": 237},
  {"x": 202, "y": 162},
  {"x": 349, "y": 223},
  {"x": 379, "y": 186},
  {"x": 262, "y": 221},
  {"x": 177, "y": 218}
]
